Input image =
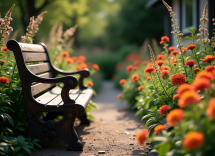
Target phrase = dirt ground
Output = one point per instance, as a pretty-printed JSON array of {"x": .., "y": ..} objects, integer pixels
[{"x": 113, "y": 130}]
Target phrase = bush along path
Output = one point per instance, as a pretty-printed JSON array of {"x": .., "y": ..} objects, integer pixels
[{"x": 112, "y": 132}]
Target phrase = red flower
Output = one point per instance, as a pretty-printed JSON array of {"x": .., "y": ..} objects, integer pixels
[
  {"x": 137, "y": 62},
  {"x": 119, "y": 96},
  {"x": 178, "y": 79},
  {"x": 191, "y": 47},
  {"x": 64, "y": 54},
  {"x": 159, "y": 128},
  {"x": 205, "y": 74},
  {"x": 78, "y": 68},
  {"x": 148, "y": 78},
  {"x": 163, "y": 109},
  {"x": 165, "y": 72},
  {"x": 171, "y": 48},
  {"x": 184, "y": 49},
  {"x": 161, "y": 56},
  {"x": 165, "y": 38},
  {"x": 160, "y": 62},
  {"x": 122, "y": 81},
  {"x": 166, "y": 68},
  {"x": 176, "y": 96},
  {"x": 174, "y": 53},
  {"x": 174, "y": 63},
  {"x": 190, "y": 63},
  {"x": 83, "y": 65},
  {"x": 4, "y": 48},
  {"x": 2, "y": 62},
  {"x": 96, "y": 67},
  {"x": 135, "y": 77},
  {"x": 4, "y": 80},
  {"x": 175, "y": 116},
  {"x": 141, "y": 136},
  {"x": 210, "y": 68},
  {"x": 129, "y": 68},
  {"x": 161, "y": 42},
  {"x": 193, "y": 140},
  {"x": 196, "y": 70},
  {"x": 82, "y": 58},
  {"x": 208, "y": 58},
  {"x": 90, "y": 83},
  {"x": 140, "y": 88},
  {"x": 149, "y": 70}
]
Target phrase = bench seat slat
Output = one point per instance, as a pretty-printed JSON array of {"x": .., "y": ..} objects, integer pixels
[
  {"x": 35, "y": 57},
  {"x": 84, "y": 98},
  {"x": 39, "y": 68},
  {"x": 38, "y": 88},
  {"x": 31, "y": 48}
]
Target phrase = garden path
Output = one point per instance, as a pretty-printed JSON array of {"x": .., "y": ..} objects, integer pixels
[{"x": 113, "y": 130}]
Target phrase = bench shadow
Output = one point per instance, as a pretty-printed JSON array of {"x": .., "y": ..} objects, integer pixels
[{"x": 142, "y": 153}]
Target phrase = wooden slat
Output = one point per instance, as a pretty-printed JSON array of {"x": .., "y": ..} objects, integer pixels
[
  {"x": 49, "y": 96},
  {"x": 84, "y": 98},
  {"x": 34, "y": 57},
  {"x": 39, "y": 68},
  {"x": 31, "y": 48},
  {"x": 44, "y": 75},
  {"x": 56, "y": 102},
  {"x": 38, "y": 88}
]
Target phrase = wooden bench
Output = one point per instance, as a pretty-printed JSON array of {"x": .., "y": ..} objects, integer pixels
[{"x": 39, "y": 78}]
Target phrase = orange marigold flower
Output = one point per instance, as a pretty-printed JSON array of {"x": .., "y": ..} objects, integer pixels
[
  {"x": 210, "y": 68},
  {"x": 165, "y": 38},
  {"x": 64, "y": 54},
  {"x": 166, "y": 68},
  {"x": 119, "y": 96},
  {"x": 58, "y": 58},
  {"x": 82, "y": 58},
  {"x": 135, "y": 77},
  {"x": 4, "y": 48},
  {"x": 149, "y": 70},
  {"x": 191, "y": 46},
  {"x": 83, "y": 65},
  {"x": 174, "y": 53},
  {"x": 140, "y": 88},
  {"x": 159, "y": 128},
  {"x": 178, "y": 79},
  {"x": 161, "y": 56},
  {"x": 69, "y": 60},
  {"x": 122, "y": 81},
  {"x": 129, "y": 68},
  {"x": 188, "y": 98},
  {"x": 96, "y": 67},
  {"x": 4, "y": 80},
  {"x": 208, "y": 58},
  {"x": 205, "y": 74},
  {"x": 161, "y": 42},
  {"x": 163, "y": 109},
  {"x": 144, "y": 62},
  {"x": 135, "y": 67},
  {"x": 165, "y": 72},
  {"x": 214, "y": 43},
  {"x": 184, "y": 49},
  {"x": 160, "y": 62},
  {"x": 150, "y": 64},
  {"x": 2, "y": 62},
  {"x": 193, "y": 140},
  {"x": 211, "y": 109},
  {"x": 183, "y": 88},
  {"x": 176, "y": 96},
  {"x": 141, "y": 136},
  {"x": 190, "y": 63},
  {"x": 90, "y": 83},
  {"x": 174, "y": 63},
  {"x": 74, "y": 58},
  {"x": 201, "y": 84},
  {"x": 137, "y": 62},
  {"x": 196, "y": 70},
  {"x": 171, "y": 48},
  {"x": 78, "y": 68},
  {"x": 175, "y": 116},
  {"x": 148, "y": 78}
]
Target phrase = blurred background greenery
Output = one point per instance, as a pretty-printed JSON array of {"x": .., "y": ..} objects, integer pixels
[{"x": 107, "y": 31}]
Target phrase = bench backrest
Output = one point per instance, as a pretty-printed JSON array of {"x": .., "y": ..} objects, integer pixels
[{"x": 32, "y": 59}]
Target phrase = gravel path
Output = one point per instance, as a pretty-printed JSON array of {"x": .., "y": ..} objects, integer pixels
[{"x": 113, "y": 130}]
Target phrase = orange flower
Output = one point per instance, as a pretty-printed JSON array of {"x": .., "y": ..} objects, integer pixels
[
  {"x": 58, "y": 58},
  {"x": 141, "y": 136},
  {"x": 183, "y": 88},
  {"x": 2, "y": 62},
  {"x": 165, "y": 72},
  {"x": 161, "y": 56},
  {"x": 83, "y": 65},
  {"x": 176, "y": 96},
  {"x": 82, "y": 58},
  {"x": 129, "y": 68},
  {"x": 178, "y": 79},
  {"x": 188, "y": 98},
  {"x": 74, "y": 58},
  {"x": 190, "y": 63},
  {"x": 159, "y": 128},
  {"x": 201, "y": 84},
  {"x": 64, "y": 54},
  {"x": 160, "y": 62},
  {"x": 174, "y": 53},
  {"x": 163, "y": 109},
  {"x": 184, "y": 49},
  {"x": 4, "y": 48},
  {"x": 210, "y": 68},
  {"x": 166, "y": 68},
  {"x": 171, "y": 48},
  {"x": 193, "y": 140},
  {"x": 191, "y": 46},
  {"x": 122, "y": 81},
  {"x": 118, "y": 66},
  {"x": 119, "y": 96},
  {"x": 144, "y": 62},
  {"x": 211, "y": 109},
  {"x": 135, "y": 67},
  {"x": 96, "y": 67},
  {"x": 161, "y": 42},
  {"x": 137, "y": 62},
  {"x": 174, "y": 63},
  {"x": 4, "y": 80},
  {"x": 78, "y": 68},
  {"x": 148, "y": 78},
  {"x": 165, "y": 38},
  {"x": 90, "y": 83},
  {"x": 150, "y": 64},
  {"x": 140, "y": 88},
  {"x": 69, "y": 60},
  {"x": 135, "y": 77},
  {"x": 205, "y": 74},
  {"x": 149, "y": 70},
  {"x": 214, "y": 43},
  {"x": 196, "y": 70},
  {"x": 175, "y": 116},
  {"x": 208, "y": 58}
]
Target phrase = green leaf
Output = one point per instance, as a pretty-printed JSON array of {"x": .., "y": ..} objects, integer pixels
[
  {"x": 27, "y": 149},
  {"x": 147, "y": 116},
  {"x": 163, "y": 149},
  {"x": 37, "y": 145},
  {"x": 160, "y": 138},
  {"x": 152, "y": 119},
  {"x": 9, "y": 118}
]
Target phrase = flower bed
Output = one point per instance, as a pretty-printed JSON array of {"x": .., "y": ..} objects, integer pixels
[{"x": 176, "y": 95}]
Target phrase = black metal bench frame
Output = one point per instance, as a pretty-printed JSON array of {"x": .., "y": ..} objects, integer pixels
[{"x": 70, "y": 108}]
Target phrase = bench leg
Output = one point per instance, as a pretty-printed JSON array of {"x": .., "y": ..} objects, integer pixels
[{"x": 84, "y": 119}]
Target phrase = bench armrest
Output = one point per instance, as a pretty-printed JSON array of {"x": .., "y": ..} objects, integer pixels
[
  {"x": 83, "y": 74},
  {"x": 70, "y": 82}
]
